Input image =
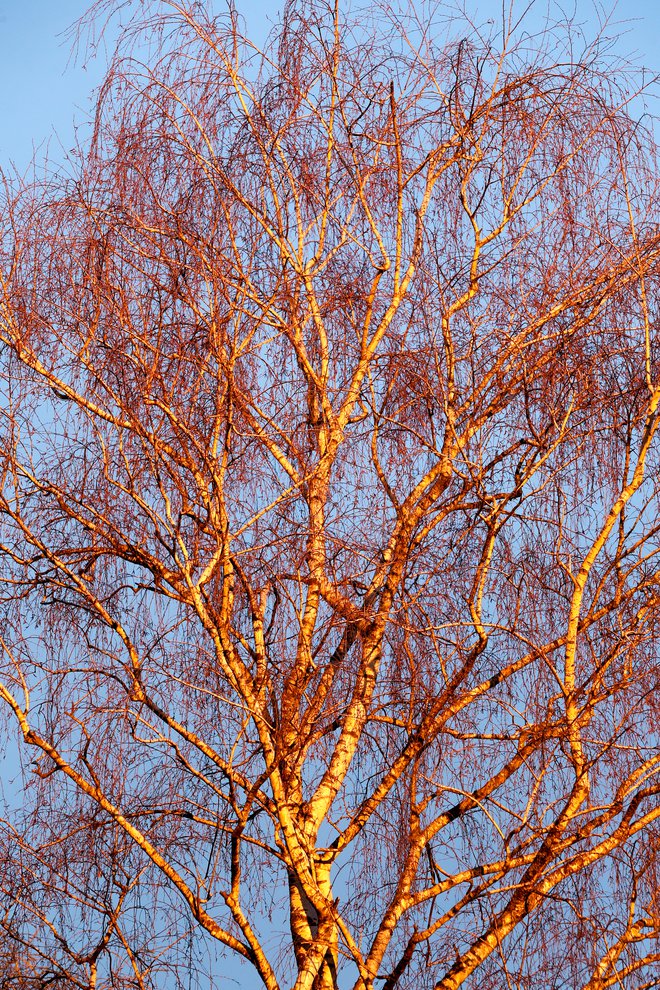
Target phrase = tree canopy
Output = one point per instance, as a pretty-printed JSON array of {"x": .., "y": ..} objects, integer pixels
[{"x": 329, "y": 539}]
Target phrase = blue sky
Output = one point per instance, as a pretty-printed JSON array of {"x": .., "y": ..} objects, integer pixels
[
  {"x": 42, "y": 91},
  {"x": 42, "y": 88}
]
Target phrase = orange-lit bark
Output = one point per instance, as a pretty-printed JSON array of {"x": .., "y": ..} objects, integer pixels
[{"x": 329, "y": 541}]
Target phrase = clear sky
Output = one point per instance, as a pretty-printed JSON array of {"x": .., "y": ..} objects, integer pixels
[
  {"x": 42, "y": 88},
  {"x": 42, "y": 91}
]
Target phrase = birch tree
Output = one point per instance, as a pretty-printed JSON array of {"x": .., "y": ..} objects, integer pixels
[{"x": 329, "y": 540}]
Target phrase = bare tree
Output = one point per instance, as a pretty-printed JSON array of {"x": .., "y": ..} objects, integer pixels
[{"x": 330, "y": 553}]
